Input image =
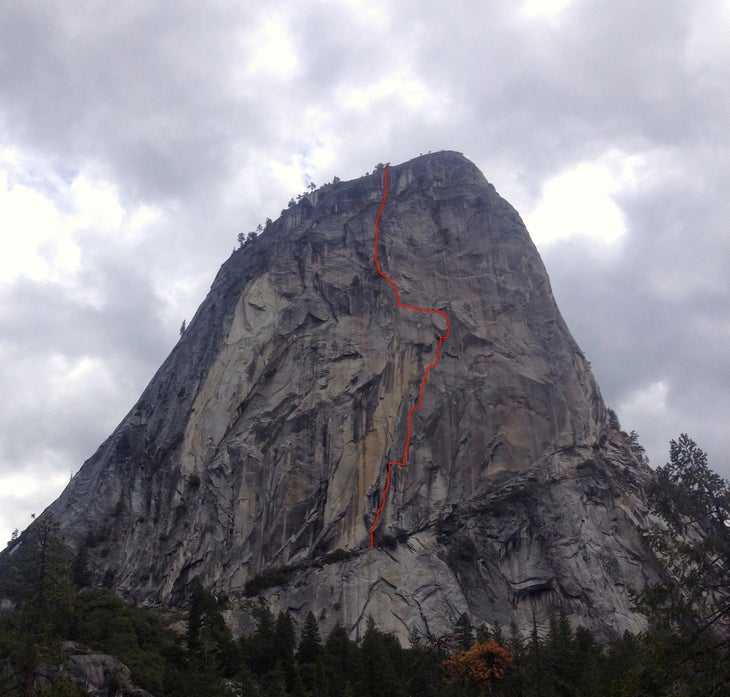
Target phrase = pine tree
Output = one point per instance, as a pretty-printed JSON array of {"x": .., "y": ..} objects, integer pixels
[
  {"x": 464, "y": 632},
  {"x": 381, "y": 658},
  {"x": 637, "y": 448},
  {"x": 258, "y": 650},
  {"x": 80, "y": 567},
  {"x": 39, "y": 582},
  {"x": 535, "y": 661},
  {"x": 341, "y": 659},
  {"x": 613, "y": 420},
  {"x": 212, "y": 653},
  {"x": 284, "y": 646},
  {"x": 483, "y": 634},
  {"x": 588, "y": 658},
  {"x": 690, "y": 612},
  {"x": 310, "y": 644},
  {"x": 559, "y": 654},
  {"x": 275, "y": 682},
  {"x": 423, "y": 673},
  {"x": 195, "y": 615},
  {"x": 310, "y": 655},
  {"x": 515, "y": 679}
]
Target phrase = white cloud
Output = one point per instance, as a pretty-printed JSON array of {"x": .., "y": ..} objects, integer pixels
[
  {"x": 543, "y": 9},
  {"x": 580, "y": 201},
  {"x": 49, "y": 223},
  {"x": 370, "y": 14},
  {"x": 404, "y": 87},
  {"x": 89, "y": 376},
  {"x": 29, "y": 486},
  {"x": 269, "y": 53},
  {"x": 25, "y": 493},
  {"x": 288, "y": 174},
  {"x": 45, "y": 220},
  {"x": 34, "y": 242},
  {"x": 97, "y": 207}
]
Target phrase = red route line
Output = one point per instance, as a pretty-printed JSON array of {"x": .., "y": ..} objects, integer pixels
[{"x": 442, "y": 337}]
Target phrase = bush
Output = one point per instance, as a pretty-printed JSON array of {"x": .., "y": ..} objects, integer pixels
[
  {"x": 268, "y": 579},
  {"x": 338, "y": 555}
]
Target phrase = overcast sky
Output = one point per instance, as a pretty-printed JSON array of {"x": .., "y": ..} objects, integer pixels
[{"x": 138, "y": 138}]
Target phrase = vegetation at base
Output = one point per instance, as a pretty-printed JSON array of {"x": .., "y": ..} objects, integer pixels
[
  {"x": 338, "y": 555},
  {"x": 268, "y": 579},
  {"x": 690, "y": 610},
  {"x": 685, "y": 651}
]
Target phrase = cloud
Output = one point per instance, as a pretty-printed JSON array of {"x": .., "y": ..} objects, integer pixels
[
  {"x": 547, "y": 9},
  {"x": 654, "y": 314},
  {"x": 580, "y": 202}
]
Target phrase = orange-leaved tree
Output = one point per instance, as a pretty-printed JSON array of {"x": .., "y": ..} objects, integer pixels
[{"x": 481, "y": 665}]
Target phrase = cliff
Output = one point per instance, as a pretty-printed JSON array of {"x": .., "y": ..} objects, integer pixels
[{"x": 262, "y": 442}]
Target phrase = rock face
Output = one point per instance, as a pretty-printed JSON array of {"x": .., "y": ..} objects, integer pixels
[
  {"x": 93, "y": 674},
  {"x": 262, "y": 441}
]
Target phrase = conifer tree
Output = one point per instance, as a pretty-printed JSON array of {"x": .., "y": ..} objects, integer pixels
[
  {"x": 341, "y": 660},
  {"x": 40, "y": 584},
  {"x": 284, "y": 645},
  {"x": 80, "y": 567},
  {"x": 310, "y": 644},
  {"x": 275, "y": 682},
  {"x": 309, "y": 656},
  {"x": 464, "y": 632},
  {"x": 587, "y": 659},
  {"x": 212, "y": 653},
  {"x": 690, "y": 611},
  {"x": 694, "y": 502},
  {"x": 498, "y": 634},
  {"x": 258, "y": 650},
  {"x": 285, "y": 641},
  {"x": 515, "y": 677},
  {"x": 380, "y": 654},
  {"x": 423, "y": 674},
  {"x": 195, "y": 615},
  {"x": 559, "y": 653},
  {"x": 535, "y": 660},
  {"x": 483, "y": 634}
]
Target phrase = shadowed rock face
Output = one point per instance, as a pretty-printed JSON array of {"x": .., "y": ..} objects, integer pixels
[{"x": 263, "y": 439}]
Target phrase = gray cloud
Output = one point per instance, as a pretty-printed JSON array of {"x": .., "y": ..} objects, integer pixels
[{"x": 191, "y": 113}]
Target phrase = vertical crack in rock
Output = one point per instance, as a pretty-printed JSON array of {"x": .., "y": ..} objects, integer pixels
[{"x": 444, "y": 332}]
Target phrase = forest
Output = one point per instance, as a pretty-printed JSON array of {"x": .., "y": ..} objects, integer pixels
[{"x": 47, "y": 603}]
